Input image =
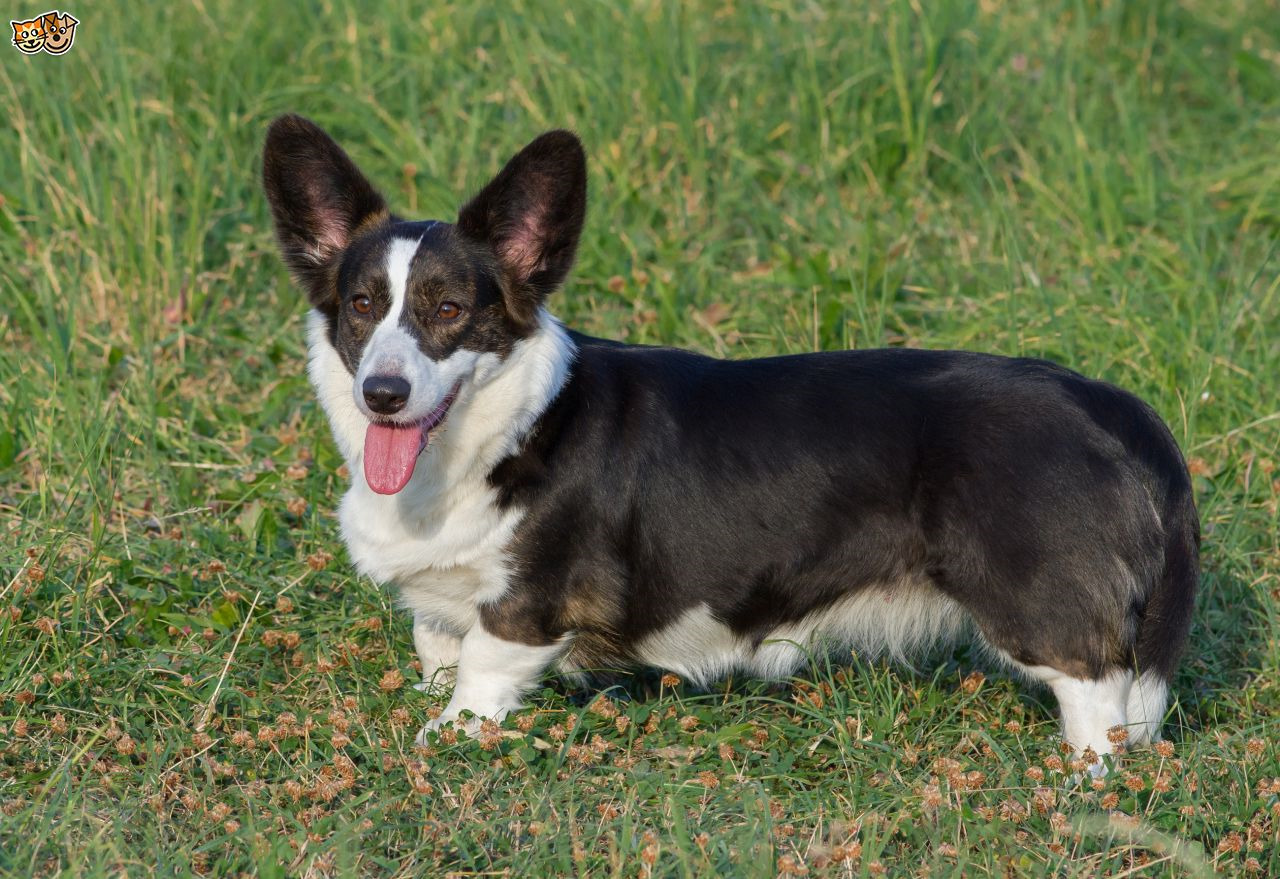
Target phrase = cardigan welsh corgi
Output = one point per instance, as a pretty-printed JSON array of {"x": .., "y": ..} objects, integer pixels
[{"x": 543, "y": 498}]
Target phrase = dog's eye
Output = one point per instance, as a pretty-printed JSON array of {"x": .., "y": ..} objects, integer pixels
[
  {"x": 448, "y": 311},
  {"x": 362, "y": 305}
]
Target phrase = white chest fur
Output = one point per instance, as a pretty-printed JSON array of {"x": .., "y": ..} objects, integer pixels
[
  {"x": 445, "y": 562},
  {"x": 442, "y": 539}
]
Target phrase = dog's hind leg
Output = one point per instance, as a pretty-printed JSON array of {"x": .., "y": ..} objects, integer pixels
[
  {"x": 1148, "y": 700},
  {"x": 1094, "y": 711}
]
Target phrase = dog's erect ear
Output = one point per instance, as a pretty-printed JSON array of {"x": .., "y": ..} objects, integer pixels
[
  {"x": 318, "y": 199},
  {"x": 531, "y": 216}
]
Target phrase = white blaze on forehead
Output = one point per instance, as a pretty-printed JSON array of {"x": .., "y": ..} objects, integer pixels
[
  {"x": 390, "y": 349},
  {"x": 399, "y": 255}
]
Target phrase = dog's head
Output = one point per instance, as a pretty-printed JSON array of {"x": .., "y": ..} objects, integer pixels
[
  {"x": 60, "y": 32},
  {"x": 412, "y": 308}
]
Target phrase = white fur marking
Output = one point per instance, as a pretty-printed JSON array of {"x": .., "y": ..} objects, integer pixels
[
  {"x": 1090, "y": 708},
  {"x": 399, "y": 256},
  {"x": 698, "y": 647},
  {"x": 1148, "y": 699},
  {"x": 898, "y": 622},
  {"x": 332, "y": 382},
  {"x": 437, "y": 651}
]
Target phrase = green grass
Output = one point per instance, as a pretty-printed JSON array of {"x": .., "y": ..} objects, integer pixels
[{"x": 1094, "y": 182}]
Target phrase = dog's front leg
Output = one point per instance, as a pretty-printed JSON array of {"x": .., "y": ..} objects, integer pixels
[
  {"x": 437, "y": 651},
  {"x": 493, "y": 674}
]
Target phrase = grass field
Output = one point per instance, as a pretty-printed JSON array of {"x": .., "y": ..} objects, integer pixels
[{"x": 192, "y": 680}]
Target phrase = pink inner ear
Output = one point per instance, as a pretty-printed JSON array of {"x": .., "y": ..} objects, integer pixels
[
  {"x": 329, "y": 228},
  {"x": 330, "y": 235},
  {"x": 521, "y": 248}
]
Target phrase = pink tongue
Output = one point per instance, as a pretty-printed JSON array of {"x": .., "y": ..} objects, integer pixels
[{"x": 390, "y": 451}]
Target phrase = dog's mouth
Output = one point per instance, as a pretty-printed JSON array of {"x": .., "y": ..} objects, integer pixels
[{"x": 391, "y": 450}]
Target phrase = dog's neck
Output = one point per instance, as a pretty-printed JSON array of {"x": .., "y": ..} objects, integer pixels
[{"x": 495, "y": 409}]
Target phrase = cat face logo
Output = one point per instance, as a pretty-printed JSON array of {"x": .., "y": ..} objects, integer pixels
[
  {"x": 52, "y": 32},
  {"x": 28, "y": 36}
]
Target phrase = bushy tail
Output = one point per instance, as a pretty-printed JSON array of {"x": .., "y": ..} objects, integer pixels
[{"x": 1162, "y": 633}]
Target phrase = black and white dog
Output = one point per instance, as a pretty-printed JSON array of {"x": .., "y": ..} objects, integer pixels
[{"x": 542, "y": 498}]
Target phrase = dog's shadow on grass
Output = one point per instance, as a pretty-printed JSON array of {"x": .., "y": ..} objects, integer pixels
[
  {"x": 851, "y": 684},
  {"x": 1227, "y": 652}
]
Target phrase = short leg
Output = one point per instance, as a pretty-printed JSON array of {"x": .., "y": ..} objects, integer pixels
[
  {"x": 1091, "y": 709},
  {"x": 1148, "y": 699},
  {"x": 492, "y": 676},
  {"x": 437, "y": 651}
]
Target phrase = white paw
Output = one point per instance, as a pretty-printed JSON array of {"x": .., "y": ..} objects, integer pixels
[
  {"x": 470, "y": 724},
  {"x": 432, "y": 726},
  {"x": 1102, "y": 766},
  {"x": 1101, "y": 769},
  {"x": 433, "y": 685}
]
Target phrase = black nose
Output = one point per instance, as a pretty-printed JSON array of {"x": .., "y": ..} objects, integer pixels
[{"x": 386, "y": 394}]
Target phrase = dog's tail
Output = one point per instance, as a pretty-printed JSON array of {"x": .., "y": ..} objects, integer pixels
[{"x": 1166, "y": 620}]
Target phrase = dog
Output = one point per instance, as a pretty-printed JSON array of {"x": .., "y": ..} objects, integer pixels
[{"x": 541, "y": 498}]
